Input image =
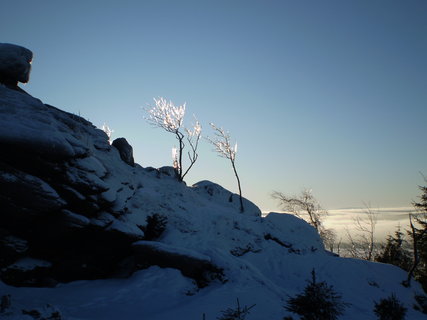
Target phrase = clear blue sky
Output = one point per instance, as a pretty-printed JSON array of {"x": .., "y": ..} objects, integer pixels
[{"x": 327, "y": 95}]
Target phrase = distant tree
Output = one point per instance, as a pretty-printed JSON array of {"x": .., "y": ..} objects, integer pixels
[
  {"x": 362, "y": 246},
  {"x": 319, "y": 301},
  {"x": 170, "y": 118},
  {"x": 329, "y": 238},
  {"x": 390, "y": 309},
  {"x": 224, "y": 148},
  {"x": 306, "y": 206},
  {"x": 394, "y": 251}
]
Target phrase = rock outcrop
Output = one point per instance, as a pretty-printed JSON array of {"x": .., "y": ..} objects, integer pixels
[
  {"x": 54, "y": 195},
  {"x": 15, "y": 65},
  {"x": 72, "y": 205},
  {"x": 125, "y": 150}
]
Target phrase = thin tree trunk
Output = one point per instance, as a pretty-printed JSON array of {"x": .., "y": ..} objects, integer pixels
[
  {"x": 180, "y": 138},
  {"x": 238, "y": 184},
  {"x": 407, "y": 283}
]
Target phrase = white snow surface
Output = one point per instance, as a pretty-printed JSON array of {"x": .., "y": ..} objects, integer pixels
[
  {"x": 29, "y": 264},
  {"x": 265, "y": 259}
]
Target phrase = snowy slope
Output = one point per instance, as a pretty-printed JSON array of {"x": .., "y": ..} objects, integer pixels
[{"x": 265, "y": 260}]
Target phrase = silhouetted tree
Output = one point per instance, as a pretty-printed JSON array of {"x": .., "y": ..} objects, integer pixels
[
  {"x": 418, "y": 233},
  {"x": 390, "y": 309},
  {"x": 319, "y": 301},
  {"x": 394, "y": 251}
]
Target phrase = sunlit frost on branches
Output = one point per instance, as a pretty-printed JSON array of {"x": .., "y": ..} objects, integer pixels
[
  {"x": 222, "y": 143},
  {"x": 108, "y": 131},
  {"x": 169, "y": 117},
  {"x": 166, "y": 115}
]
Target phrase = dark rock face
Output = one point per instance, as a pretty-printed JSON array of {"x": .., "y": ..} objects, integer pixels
[
  {"x": 194, "y": 266},
  {"x": 125, "y": 150},
  {"x": 54, "y": 200},
  {"x": 66, "y": 197},
  {"x": 15, "y": 65}
]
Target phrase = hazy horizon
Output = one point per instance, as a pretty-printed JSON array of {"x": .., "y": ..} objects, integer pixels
[{"x": 388, "y": 220}]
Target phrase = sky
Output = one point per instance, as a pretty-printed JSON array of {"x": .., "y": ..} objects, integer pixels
[{"x": 326, "y": 95}]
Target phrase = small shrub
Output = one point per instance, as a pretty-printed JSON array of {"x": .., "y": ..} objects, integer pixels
[
  {"x": 5, "y": 303},
  {"x": 390, "y": 309},
  {"x": 319, "y": 301},
  {"x": 156, "y": 224},
  {"x": 236, "y": 313},
  {"x": 421, "y": 303}
]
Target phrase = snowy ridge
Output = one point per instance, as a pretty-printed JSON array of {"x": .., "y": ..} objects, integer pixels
[{"x": 263, "y": 260}]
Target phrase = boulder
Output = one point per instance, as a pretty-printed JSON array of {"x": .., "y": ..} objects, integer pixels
[
  {"x": 15, "y": 64},
  {"x": 191, "y": 263},
  {"x": 28, "y": 272},
  {"x": 125, "y": 150}
]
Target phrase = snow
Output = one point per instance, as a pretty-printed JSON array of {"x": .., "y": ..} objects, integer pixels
[
  {"x": 29, "y": 264},
  {"x": 158, "y": 246},
  {"x": 27, "y": 122},
  {"x": 265, "y": 259},
  {"x": 126, "y": 228},
  {"x": 76, "y": 219}
]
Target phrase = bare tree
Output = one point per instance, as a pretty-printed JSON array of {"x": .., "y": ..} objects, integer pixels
[
  {"x": 224, "y": 148},
  {"x": 362, "y": 246},
  {"x": 193, "y": 138},
  {"x": 170, "y": 118},
  {"x": 302, "y": 206},
  {"x": 329, "y": 237},
  {"x": 306, "y": 206}
]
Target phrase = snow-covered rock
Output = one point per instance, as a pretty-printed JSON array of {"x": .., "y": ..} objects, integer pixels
[
  {"x": 125, "y": 150},
  {"x": 74, "y": 215},
  {"x": 217, "y": 194},
  {"x": 15, "y": 63},
  {"x": 80, "y": 202}
]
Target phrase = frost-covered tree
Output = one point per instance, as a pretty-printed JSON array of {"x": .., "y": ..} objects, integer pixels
[
  {"x": 305, "y": 206},
  {"x": 225, "y": 149},
  {"x": 193, "y": 137},
  {"x": 108, "y": 131},
  {"x": 164, "y": 114}
]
